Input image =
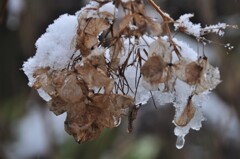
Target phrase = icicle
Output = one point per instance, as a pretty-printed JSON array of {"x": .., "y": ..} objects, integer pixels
[{"x": 180, "y": 142}]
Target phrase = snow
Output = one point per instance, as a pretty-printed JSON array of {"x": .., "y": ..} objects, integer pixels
[
  {"x": 187, "y": 25},
  {"x": 108, "y": 7},
  {"x": 186, "y": 50},
  {"x": 55, "y": 47},
  {"x": 217, "y": 29}
]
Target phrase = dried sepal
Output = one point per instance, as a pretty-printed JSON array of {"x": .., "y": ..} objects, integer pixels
[
  {"x": 89, "y": 28},
  {"x": 188, "y": 71},
  {"x": 154, "y": 28},
  {"x": 210, "y": 77},
  {"x": 94, "y": 77},
  {"x": 71, "y": 91},
  {"x": 153, "y": 71},
  {"x": 198, "y": 73},
  {"x": 57, "y": 105},
  {"x": 137, "y": 6},
  {"x": 187, "y": 114},
  {"x": 80, "y": 122},
  {"x": 97, "y": 60},
  {"x": 161, "y": 48},
  {"x": 44, "y": 81},
  {"x": 85, "y": 42}
]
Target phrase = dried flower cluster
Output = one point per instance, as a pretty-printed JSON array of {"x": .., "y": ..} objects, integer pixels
[{"x": 120, "y": 59}]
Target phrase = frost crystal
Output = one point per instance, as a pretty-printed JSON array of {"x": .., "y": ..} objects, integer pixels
[
  {"x": 185, "y": 25},
  {"x": 98, "y": 66}
]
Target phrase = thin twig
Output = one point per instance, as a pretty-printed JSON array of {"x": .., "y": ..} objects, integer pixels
[{"x": 166, "y": 19}]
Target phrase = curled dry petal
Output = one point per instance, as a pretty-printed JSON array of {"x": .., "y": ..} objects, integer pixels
[
  {"x": 210, "y": 77},
  {"x": 199, "y": 73},
  {"x": 89, "y": 30},
  {"x": 187, "y": 114}
]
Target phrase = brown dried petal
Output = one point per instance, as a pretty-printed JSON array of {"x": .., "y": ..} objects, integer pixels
[
  {"x": 189, "y": 72},
  {"x": 58, "y": 77},
  {"x": 71, "y": 92},
  {"x": 85, "y": 42},
  {"x": 121, "y": 101},
  {"x": 101, "y": 101},
  {"x": 154, "y": 28},
  {"x": 81, "y": 122},
  {"x": 40, "y": 71},
  {"x": 193, "y": 73},
  {"x": 93, "y": 77},
  {"x": 153, "y": 70},
  {"x": 98, "y": 61},
  {"x": 44, "y": 81},
  {"x": 96, "y": 26},
  {"x": 161, "y": 48},
  {"x": 125, "y": 23},
  {"x": 133, "y": 25},
  {"x": 187, "y": 114},
  {"x": 137, "y": 6},
  {"x": 57, "y": 105},
  {"x": 210, "y": 77}
]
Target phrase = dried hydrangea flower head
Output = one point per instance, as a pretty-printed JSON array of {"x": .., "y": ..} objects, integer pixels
[{"x": 110, "y": 58}]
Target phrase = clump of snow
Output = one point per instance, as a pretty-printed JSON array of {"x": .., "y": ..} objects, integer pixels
[
  {"x": 184, "y": 23},
  {"x": 55, "y": 47},
  {"x": 218, "y": 29},
  {"x": 108, "y": 7}
]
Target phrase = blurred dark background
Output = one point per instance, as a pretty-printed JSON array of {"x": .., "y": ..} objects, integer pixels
[{"x": 29, "y": 131}]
